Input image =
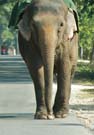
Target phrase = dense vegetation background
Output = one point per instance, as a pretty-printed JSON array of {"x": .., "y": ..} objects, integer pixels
[{"x": 86, "y": 24}]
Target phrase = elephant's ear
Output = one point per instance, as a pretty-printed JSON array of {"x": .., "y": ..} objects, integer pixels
[
  {"x": 24, "y": 26},
  {"x": 71, "y": 24}
]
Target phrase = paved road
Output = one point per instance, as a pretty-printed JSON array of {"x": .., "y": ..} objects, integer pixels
[
  {"x": 17, "y": 105},
  {"x": 13, "y": 70}
]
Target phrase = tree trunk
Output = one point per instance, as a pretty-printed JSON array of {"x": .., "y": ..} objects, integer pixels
[{"x": 92, "y": 55}]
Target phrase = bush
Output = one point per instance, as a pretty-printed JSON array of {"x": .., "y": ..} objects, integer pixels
[{"x": 84, "y": 71}]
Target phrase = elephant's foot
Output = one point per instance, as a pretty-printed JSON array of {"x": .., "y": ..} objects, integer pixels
[
  {"x": 61, "y": 113},
  {"x": 40, "y": 115},
  {"x": 43, "y": 115},
  {"x": 50, "y": 116}
]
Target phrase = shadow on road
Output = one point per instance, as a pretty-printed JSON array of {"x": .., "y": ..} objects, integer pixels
[
  {"x": 17, "y": 115},
  {"x": 84, "y": 107},
  {"x": 13, "y": 70},
  {"x": 30, "y": 116}
]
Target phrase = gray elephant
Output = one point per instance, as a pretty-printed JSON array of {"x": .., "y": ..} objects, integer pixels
[{"x": 48, "y": 42}]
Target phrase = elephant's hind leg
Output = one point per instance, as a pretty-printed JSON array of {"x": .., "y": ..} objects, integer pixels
[{"x": 61, "y": 105}]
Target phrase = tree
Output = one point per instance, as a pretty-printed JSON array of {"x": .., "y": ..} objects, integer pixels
[
  {"x": 86, "y": 24},
  {"x": 6, "y": 35},
  {"x": 92, "y": 52}
]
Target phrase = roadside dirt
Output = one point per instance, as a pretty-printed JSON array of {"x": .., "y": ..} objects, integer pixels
[{"x": 82, "y": 103}]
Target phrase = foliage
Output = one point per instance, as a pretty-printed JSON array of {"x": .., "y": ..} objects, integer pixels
[
  {"x": 7, "y": 36},
  {"x": 86, "y": 23}
]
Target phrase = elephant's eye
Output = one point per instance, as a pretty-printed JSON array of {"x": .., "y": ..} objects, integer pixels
[
  {"x": 60, "y": 28},
  {"x": 61, "y": 24}
]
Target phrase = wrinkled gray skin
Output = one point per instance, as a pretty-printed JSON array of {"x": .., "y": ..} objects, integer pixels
[{"x": 46, "y": 49}]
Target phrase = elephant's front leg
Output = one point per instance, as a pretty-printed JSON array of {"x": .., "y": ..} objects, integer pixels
[
  {"x": 61, "y": 106},
  {"x": 38, "y": 79}
]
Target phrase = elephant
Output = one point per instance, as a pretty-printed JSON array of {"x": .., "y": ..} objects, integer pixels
[{"x": 48, "y": 43}]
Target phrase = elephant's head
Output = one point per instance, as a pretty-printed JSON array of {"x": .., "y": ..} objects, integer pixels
[{"x": 47, "y": 16}]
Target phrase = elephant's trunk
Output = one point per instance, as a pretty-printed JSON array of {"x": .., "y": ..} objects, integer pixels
[
  {"x": 48, "y": 51},
  {"x": 48, "y": 73}
]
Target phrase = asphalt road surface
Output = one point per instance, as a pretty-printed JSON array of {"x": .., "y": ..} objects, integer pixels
[
  {"x": 17, "y": 105},
  {"x": 13, "y": 70}
]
